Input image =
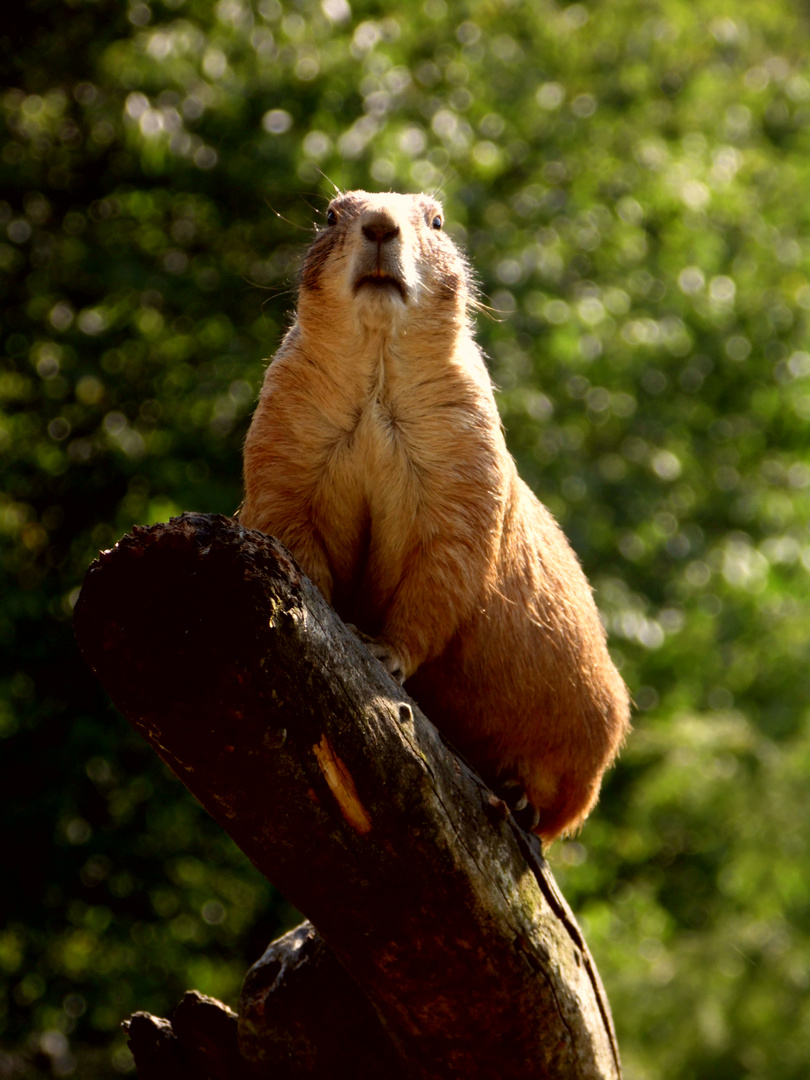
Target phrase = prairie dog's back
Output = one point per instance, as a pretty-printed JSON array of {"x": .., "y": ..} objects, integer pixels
[{"x": 376, "y": 455}]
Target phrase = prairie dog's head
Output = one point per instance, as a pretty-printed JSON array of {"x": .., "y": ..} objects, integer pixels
[{"x": 383, "y": 260}]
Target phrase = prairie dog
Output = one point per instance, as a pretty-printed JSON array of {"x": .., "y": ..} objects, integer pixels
[{"x": 376, "y": 456}]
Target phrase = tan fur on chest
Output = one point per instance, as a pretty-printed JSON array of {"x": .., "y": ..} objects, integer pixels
[{"x": 376, "y": 455}]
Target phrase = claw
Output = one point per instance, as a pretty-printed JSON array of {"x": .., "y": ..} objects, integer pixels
[
  {"x": 528, "y": 818},
  {"x": 513, "y": 794}
]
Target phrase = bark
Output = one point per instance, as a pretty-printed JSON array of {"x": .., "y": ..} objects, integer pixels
[{"x": 442, "y": 921}]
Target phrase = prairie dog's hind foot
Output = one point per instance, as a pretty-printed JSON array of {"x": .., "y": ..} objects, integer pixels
[
  {"x": 514, "y": 795},
  {"x": 385, "y": 653}
]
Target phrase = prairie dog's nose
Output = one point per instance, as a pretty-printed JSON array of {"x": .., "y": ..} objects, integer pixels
[{"x": 379, "y": 227}]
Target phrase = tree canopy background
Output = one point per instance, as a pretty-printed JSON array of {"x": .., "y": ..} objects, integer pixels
[{"x": 630, "y": 181}]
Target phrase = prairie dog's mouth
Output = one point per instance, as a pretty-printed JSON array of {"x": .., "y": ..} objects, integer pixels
[{"x": 381, "y": 281}]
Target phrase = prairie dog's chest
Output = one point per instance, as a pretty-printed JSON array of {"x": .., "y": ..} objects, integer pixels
[{"x": 376, "y": 445}]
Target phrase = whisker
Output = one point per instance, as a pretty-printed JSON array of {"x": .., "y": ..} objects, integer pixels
[
  {"x": 444, "y": 180},
  {"x": 286, "y": 220},
  {"x": 330, "y": 181}
]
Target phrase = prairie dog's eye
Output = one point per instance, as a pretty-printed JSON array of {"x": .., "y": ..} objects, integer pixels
[
  {"x": 331, "y": 216},
  {"x": 437, "y": 222}
]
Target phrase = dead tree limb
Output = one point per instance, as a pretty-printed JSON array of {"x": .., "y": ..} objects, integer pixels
[
  {"x": 319, "y": 1017},
  {"x": 441, "y": 912}
]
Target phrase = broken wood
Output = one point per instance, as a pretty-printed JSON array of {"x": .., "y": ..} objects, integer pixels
[{"x": 441, "y": 913}]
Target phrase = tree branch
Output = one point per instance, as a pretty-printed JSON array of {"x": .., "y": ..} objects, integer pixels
[{"x": 440, "y": 910}]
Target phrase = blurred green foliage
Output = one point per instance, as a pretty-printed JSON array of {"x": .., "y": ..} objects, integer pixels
[{"x": 630, "y": 182}]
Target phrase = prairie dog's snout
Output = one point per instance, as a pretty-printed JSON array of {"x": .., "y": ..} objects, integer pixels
[{"x": 379, "y": 262}]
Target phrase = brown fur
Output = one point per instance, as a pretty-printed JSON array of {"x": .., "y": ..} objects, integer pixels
[{"x": 376, "y": 455}]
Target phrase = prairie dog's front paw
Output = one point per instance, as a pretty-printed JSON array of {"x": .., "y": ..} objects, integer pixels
[
  {"x": 389, "y": 658},
  {"x": 385, "y": 653}
]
